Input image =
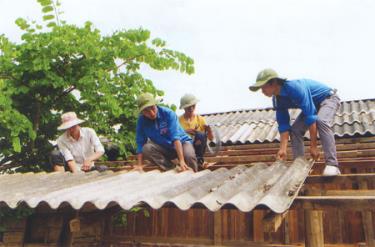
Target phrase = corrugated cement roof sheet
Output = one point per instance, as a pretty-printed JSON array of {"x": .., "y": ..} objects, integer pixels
[
  {"x": 244, "y": 187},
  {"x": 354, "y": 118}
]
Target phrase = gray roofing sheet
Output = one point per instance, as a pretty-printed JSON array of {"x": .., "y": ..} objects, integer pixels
[
  {"x": 244, "y": 187},
  {"x": 259, "y": 125}
]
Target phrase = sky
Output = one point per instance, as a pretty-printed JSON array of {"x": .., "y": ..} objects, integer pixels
[{"x": 331, "y": 41}]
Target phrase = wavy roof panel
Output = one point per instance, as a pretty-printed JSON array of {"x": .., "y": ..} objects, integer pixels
[
  {"x": 244, "y": 187},
  {"x": 354, "y": 118}
]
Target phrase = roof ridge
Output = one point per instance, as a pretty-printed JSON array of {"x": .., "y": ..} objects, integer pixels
[{"x": 270, "y": 108}]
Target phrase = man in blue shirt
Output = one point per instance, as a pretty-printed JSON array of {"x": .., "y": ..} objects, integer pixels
[
  {"x": 318, "y": 104},
  {"x": 160, "y": 138}
]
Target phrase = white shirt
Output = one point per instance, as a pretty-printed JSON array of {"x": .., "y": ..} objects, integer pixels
[{"x": 79, "y": 150}]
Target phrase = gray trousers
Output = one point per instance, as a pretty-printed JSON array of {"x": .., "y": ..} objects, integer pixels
[
  {"x": 326, "y": 114},
  {"x": 163, "y": 157}
]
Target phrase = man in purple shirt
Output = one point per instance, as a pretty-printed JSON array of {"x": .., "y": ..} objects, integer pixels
[
  {"x": 160, "y": 138},
  {"x": 318, "y": 104}
]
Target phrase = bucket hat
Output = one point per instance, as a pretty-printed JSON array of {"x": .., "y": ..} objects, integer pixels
[
  {"x": 263, "y": 77},
  {"x": 145, "y": 100},
  {"x": 68, "y": 120},
  {"x": 188, "y": 100}
]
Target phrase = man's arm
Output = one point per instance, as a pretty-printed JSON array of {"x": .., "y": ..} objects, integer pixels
[
  {"x": 207, "y": 128},
  {"x": 87, "y": 162},
  {"x": 98, "y": 147},
  {"x": 141, "y": 140},
  {"x": 68, "y": 156},
  {"x": 282, "y": 153},
  {"x": 174, "y": 125},
  {"x": 180, "y": 155},
  {"x": 72, "y": 166},
  {"x": 139, "y": 165},
  {"x": 210, "y": 135},
  {"x": 314, "y": 152},
  {"x": 190, "y": 131},
  {"x": 303, "y": 98}
]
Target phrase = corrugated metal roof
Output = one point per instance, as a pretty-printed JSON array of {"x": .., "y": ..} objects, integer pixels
[
  {"x": 259, "y": 125},
  {"x": 244, "y": 187}
]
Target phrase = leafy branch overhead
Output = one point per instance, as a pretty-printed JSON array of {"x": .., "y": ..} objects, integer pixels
[{"x": 59, "y": 67}]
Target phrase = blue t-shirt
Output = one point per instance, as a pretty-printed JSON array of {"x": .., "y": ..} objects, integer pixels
[
  {"x": 163, "y": 130},
  {"x": 304, "y": 94}
]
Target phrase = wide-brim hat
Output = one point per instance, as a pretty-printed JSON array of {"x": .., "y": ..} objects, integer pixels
[
  {"x": 263, "y": 77},
  {"x": 188, "y": 100},
  {"x": 145, "y": 100},
  {"x": 69, "y": 119}
]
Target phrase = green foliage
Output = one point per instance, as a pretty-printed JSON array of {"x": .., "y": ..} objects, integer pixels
[
  {"x": 14, "y": 126},
  {"x": 40, "y": 75},
  {"x": 49, "y": 9},
  {"x": 8, "y": 215},
  {"x": 121, "y": 218}
]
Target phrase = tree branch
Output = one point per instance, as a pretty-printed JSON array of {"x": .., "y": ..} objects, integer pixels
[
  {"x": 8, "y": 166},
  {"x": 4, "y": 76},
  {"x": 125, "y": 62}
]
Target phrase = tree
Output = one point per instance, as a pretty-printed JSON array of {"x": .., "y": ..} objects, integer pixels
[{"x": 38, "y": 78}]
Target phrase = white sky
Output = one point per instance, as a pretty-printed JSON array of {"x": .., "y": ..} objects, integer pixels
[{"x": 332, "y": 41}]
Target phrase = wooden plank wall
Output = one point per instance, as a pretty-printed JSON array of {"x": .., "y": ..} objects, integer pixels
[{"x": 196, "y": 226}]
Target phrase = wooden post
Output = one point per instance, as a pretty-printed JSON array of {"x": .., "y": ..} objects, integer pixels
[
  {"x": 218, "y": 239},
  {"x": 287, "y": 228},
  {"x": 368, "y": 226},
  {"x": 258, "y": 232},
  {"x": 314, "y": 236},
  {"x": 340, "y": 225}
]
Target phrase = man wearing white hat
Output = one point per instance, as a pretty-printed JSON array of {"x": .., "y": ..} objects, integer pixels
[
  {"x": 196, "y": 126},
  {"x": 78, "y": 147}
]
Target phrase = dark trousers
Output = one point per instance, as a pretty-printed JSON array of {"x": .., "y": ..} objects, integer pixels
[
  {"x": 199, "y": 143},
  {"x": 163, "y": 157},
  {"x": 57, "y": 159}
]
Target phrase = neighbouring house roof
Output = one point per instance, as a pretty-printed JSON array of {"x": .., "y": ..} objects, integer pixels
[
  {"x": 355, "y": 118},
  {"x": 244, "y": 187}
]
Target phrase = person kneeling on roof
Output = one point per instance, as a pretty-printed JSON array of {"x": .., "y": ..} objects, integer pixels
[
  {"x": 318, "y": 103},
  {"x": 196, "y": 126},
  {"x": 78, "y": 147},
  {"x": 160, "y": 138}
]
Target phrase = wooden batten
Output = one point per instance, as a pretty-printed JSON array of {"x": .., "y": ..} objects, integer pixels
[
  {"x": 258, "y": 232},
  {"x": 218, "y": 232},
  {"x": 314, "y": 236},
  {"x": 314, "y": 232},
  {"x": 367, "y": 219}
]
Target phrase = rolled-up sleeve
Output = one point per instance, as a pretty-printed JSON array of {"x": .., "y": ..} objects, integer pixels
[
  {"x": 303, "y": 98},
  {"x": 65, "y": 150},
  {"x": 98, "y": 146},
  {"x": 141, "y": 138},
  {"x": 283, "y": 120},
  {"x": 173, "y": 124}
]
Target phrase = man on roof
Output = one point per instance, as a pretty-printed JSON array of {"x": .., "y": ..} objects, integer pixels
[
  {"x": 160, "y": 138},
  {"x": 318, "y": 104},
  {"x": 196, "y": 126},
  {"x": 78, "y": 147}
]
